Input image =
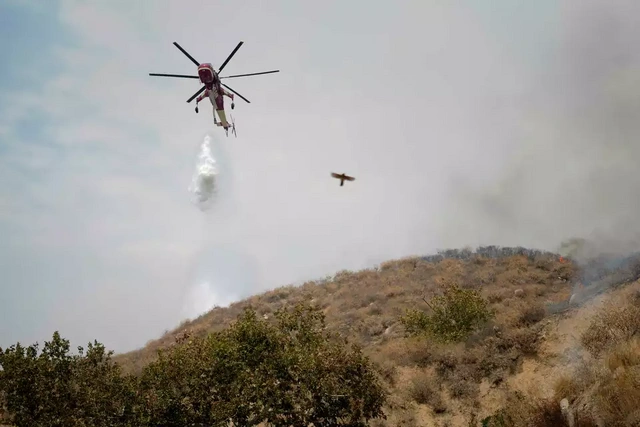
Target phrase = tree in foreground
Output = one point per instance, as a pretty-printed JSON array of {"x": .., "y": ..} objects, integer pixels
[
  {"x": 55, "y": 388},
  {"x": 288, "y": 373}
]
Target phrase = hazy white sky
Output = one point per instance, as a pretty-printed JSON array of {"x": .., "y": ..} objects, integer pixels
[{"x": 465, "y": 123}]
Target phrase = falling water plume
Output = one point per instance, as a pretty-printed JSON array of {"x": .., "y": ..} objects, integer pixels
[{"x": 203, "y": 184}]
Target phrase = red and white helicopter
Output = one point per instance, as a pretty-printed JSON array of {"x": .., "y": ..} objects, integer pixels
[{"x": 213, "y": 87}]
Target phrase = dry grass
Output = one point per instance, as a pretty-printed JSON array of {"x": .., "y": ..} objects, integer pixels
[
  {"x": 425, "y": 391},
  {"x": 366, "y": 305},
  {"x": 523, "y": 411},
  {"x": 616, "y": 388},
  {"x": 617, "y": 396},
  {"x": 611, "y": 327},
  {"x": 531, "y": 315},
  {"x": 608, "y": 383},
  {"x": 451, "y": 380}
]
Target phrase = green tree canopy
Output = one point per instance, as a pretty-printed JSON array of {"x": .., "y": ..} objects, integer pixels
[
  {"x": 55, "y": 388},
  {"x": 286, "y": 372}
]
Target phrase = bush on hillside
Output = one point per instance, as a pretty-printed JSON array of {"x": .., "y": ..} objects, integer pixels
[
  {"x": 55, "y": 388},
  {"x": 610, "y": 327},
  {"x": 617, "y": 395},
  {"x": 454, "y": 315},
  {"x": 493, "y": 252},
  {"x": 521, "y": 411},
  {"x": 611, "y": 382},
  {"x": 287, "y": 373},
  {"x": 424, "y": 390}
]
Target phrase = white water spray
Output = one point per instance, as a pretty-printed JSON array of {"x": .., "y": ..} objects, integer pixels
[
  {"x": 203, "y": 184},
  {"x": 209, "y": 284}
]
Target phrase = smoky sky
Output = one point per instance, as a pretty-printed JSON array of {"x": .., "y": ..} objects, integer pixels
[
  {"x": 572, "y": 138},
  {"x": 464, "y": 123}
]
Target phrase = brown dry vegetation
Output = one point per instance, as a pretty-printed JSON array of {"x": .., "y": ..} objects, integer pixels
[
  {"x": 534, "y": 351},
  {"x": 431, "y": 383},
  {"x": 606, "y": 382},
  {"x": 367, "y": 305}
]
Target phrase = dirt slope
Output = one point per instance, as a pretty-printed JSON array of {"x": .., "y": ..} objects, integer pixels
[{"x": 534, "y": 338}]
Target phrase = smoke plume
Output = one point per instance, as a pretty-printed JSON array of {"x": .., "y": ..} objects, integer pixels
[{"x": 572, "y": 171}]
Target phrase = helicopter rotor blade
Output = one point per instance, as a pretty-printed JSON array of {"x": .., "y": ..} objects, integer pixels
[
  {"x": 173, "y": 75},
  {"x": 196, "y": 94},
  {"x": 226, "y": 61},
  {"x": 250, "y": 74},
  {"x": 245, "y": 99},
  {"x": 185, "y": 52}
]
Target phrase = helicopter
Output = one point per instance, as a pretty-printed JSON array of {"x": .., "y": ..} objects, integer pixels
[{"x": 210, "y": 78}]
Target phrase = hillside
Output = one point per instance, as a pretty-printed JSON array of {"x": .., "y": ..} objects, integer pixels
[{"x": 536, "y": 337}]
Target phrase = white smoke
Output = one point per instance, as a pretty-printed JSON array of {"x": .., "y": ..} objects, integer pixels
[{"x": 204, "y": 184}]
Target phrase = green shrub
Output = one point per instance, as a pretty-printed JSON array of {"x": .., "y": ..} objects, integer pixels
[
  {"x": 288, "y": 373},
  {"x": 454, "y": 315},
  {"x": 55, "y": 388}
]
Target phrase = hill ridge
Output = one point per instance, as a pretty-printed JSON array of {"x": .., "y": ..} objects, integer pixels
[{"x": 532, "y": 291}]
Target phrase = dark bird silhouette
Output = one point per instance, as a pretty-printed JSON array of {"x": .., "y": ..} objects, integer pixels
[{"x": 342, "y": 177}]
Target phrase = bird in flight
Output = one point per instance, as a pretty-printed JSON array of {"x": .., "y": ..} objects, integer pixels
[{"x": 342, "y": 177}]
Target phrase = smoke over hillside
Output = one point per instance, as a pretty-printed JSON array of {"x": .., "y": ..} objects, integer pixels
[{"x": 574, "y": 144}]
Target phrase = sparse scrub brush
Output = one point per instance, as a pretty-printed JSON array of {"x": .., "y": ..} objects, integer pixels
[
  {"x": 423, "y": 391},
  {"x": 617, "y": 397},
  {"x": 531, "y": 315},
  {"x": 617, "y": 390},
  {"x": 454, "y": 315},
  {"x": 611, "y": 327},
  {"x": 532, "y": 412}
]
